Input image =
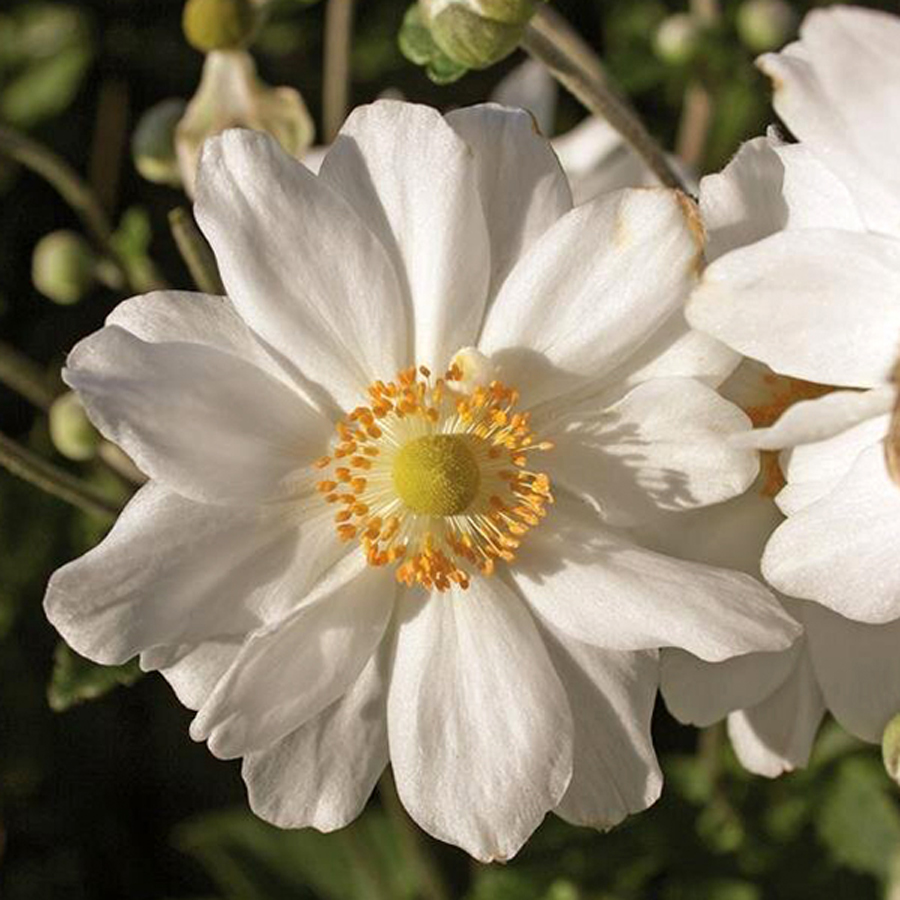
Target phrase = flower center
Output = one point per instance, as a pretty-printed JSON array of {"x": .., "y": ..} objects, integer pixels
[
  {"x": 436, "y": 475},
  {"x": 434, "y": 478}
]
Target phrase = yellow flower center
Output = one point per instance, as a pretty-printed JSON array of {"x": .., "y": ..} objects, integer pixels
[
  {"x": 436, "y": 475},
  {"x": 435, "y": 479}
]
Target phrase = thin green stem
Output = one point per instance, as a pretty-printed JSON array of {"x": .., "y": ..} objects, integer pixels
[
  {"x": 55, "y": 170},
  {"x": 140, "y": 275},
  {"x": 428, "y": 873},
  {"x": 25, "y": 377},
  {"x": 30, "y": 467},
  {"x": 553, "y": 42},
  {"x": 196, "y": 253},
  {"x": 336, "y": 84}
]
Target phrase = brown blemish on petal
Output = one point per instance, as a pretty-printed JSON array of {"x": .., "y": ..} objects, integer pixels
[
  {"x": 892, "y": 441},
  {"x": 691, "y": 214}
]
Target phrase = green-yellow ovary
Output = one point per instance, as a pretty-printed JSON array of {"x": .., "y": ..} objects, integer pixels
[{"x": 437, "y": 475}]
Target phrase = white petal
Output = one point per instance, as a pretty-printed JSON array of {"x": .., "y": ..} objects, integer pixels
[
  {"x": 522, "y": 185},
  {"x": 478, "y": 721},
  {"x": 531, "y": 87},
  {"x": 700, "y": 693},
  {"x": 815, "y": 304},
  {"x": 414, "y": 182},
  {"x": 592, "y": 290},
  {"x": 165, "y": 316},
  {"x": 743, "y": 203},
  {"x": 170, "y": 572},
  {"x": 835, "y": 90},
  {"x": 322, "y": 774},
  {"x": 842, "y": 550},
  {"x": 769, "y": 187},
  {"x": 811, "y": 421},
  {"x": 206, "y": 424},
  {"x": 195, "y": 673},
  {"x": 592, "y": 584},
  {"x": 858, "y": 669},
  {"x": 814, "y": 470},
  {"x": 777, "y": 735},
  {"x": 598, "y": 161},
  {"x": 300, "y": 266},
  {"x": 615, "y": 772},
  {"x": 291, "y": 670},
  {"x": 663, "y": 446}
]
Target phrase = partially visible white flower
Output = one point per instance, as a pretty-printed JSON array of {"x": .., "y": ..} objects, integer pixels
[
  {"x": 232, "y": 95},
  {"x": 359, "y": 545},
  {"x": 806, "y": 239},
  {"x": 593, "y": 154}
]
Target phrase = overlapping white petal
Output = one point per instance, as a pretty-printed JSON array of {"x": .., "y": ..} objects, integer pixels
[
  {"x": 830, "y": 550},
  {"x": 572, "y": 311},
  {"x": 596, "y": 586},
  {"x": 415, "y": 184},
  {"x": 478, "y": 721},
  {"x": 323, "y": 646},
  {"x": 665, "y": 445},
  {"x": 340, "y": 320},
  {"x": 203, "y": 422},
  {"x": 322, "y": 774}
]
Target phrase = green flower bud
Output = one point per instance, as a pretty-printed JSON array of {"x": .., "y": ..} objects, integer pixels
[
  {"x": 63, "y": 267},
  {"x": 231, "y": 95},
  {"x": 477, "y": 33},
  {"x": 677, "y": 39},
  {"x": 890, "y": 748},
  {"x": 765, "y": 24},
  {"x": 153, "y": 143},
  {"x": 71, "y": 431},
  {"x": 218, "y": 24}
]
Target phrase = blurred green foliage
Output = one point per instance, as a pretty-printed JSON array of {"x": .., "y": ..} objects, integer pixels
[{"x": 110, "y": 799}]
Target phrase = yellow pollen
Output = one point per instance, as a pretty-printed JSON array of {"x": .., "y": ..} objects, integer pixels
[
  {"x": 436, "y": 475},
  {"x": 443, "y": 486}
]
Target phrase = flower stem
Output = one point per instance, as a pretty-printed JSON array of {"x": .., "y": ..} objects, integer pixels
[
  {"x": 196, "y": 253},
  {"x": 25, "y": 377},
  {"x": 78, "y": 194},
  {"x": 336, "y": 89},
  {"x": 429, "y": 875},
  {"x": 553, "y": 42},
  {"x": 30, "y": 467}
]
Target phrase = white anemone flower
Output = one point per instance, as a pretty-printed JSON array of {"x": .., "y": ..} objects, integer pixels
[
  {"x": 389, "y": 474},
  {"x": 808, "y": 283}
]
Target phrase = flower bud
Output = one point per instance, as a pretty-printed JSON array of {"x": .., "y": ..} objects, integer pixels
[
  {"x": 765, "y": 24},
  {"x": 477, "y": 33},
  {"x": 218, "y": 24},
  {"x": 71, "y": 431},
  {"x": 231, "y": 95},
  {"x": 677, "y": 39},
  {"x": 153, "y": 143},
  {"x": 63, "y": 267},
  {"x": 890, "y": 748}
]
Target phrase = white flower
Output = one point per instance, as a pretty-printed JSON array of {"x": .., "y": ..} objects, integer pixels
[
  {"x": 231, "y": 95},
  {"x": 808, "y": 283},
  {"x": 404, "y": 590}
]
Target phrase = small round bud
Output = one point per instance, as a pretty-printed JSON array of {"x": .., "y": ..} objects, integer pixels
[
  {"x": 153, "y": 143},
  {"x": 71, "y": 431},
  {"x": 63, "y": 267},
  {"x": 890, "y": 748},
  {"x": 218, "y": 24},
  {"x": 765, "y": 24},
  {"x": 477, "y": 33},
  {"x": 677, "y": 39}
]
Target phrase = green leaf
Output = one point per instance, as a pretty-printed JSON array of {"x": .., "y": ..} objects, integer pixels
[
  {"x": 252, "y": 860},
  {"x": 76, "y": 679},
  {"x": 859, "y": 821}
]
